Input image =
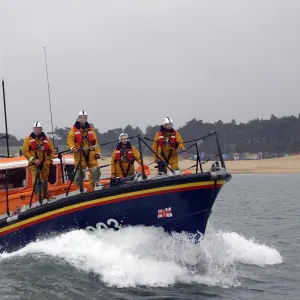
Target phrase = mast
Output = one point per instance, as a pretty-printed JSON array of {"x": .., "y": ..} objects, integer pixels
[
  {"x": 49, "y": 96},
  {"x": 7, "y": 148},
  {"x": 5, "y": 117}
]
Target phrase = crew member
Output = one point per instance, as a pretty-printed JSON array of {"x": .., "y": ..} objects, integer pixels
[
  {"x": 39, "y": 151},
  {"x": 123, "y": 158},
  {"x": 82, "y": 140},
  {"x": 166, "y": 142}
]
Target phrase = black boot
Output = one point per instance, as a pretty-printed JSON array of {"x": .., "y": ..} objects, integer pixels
[{"x": 161, "y": 167}]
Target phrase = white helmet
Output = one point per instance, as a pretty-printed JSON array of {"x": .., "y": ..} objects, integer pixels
[
  {"x": 82, "y": 113},
  {"x": 38, "y": 124},
  {"x": 167, "y": 120},
  {"x": 121, "y": 135}
]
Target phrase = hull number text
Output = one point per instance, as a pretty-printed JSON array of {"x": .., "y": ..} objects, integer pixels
[{"x": 111, "y": 223}]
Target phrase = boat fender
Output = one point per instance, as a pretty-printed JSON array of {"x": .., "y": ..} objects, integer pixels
[
  {"x": 13, "y": 218},
  {"x": 214, "y": 176},
  {"x": 186, "y": 172},
  {"x": 217, "y": 175},
  {"x": 139, "y": 179},
  {"x": 98, "y": 187},
  {"x": 24, "y": 208},
  {"x": 35, "y": 204}
]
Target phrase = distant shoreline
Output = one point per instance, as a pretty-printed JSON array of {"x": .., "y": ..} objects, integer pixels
[{"x": 283, "y": 165}]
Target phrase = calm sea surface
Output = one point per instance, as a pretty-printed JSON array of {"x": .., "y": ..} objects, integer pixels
[{"x": 250, "y": 251}]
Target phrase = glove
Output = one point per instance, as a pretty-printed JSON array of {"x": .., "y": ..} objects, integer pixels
[
  {"x": 37, "y": 162},
  {"x": 74, "y": 149}
]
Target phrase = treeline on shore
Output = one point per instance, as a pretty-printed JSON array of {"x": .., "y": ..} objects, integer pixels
[{"x": 275, "y": 136}]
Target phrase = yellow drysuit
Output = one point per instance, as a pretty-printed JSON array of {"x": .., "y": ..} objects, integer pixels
[
  {"x": 85, "y": 158},
  {"x": 124, "y": 166},
  {"x": 44, "y": 156},
  {"x": 167, "y": 152}
]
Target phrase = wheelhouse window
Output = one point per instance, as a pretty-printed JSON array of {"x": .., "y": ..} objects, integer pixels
[{"x": 16, "y": 178}]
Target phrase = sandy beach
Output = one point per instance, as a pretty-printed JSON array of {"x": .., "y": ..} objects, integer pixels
[{"x": 283, "y": 165}]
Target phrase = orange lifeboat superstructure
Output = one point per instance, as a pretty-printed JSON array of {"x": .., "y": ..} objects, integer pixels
[{"x": 20, "y": 184}]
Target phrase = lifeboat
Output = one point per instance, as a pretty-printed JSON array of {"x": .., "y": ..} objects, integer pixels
[{"x": 178, "y": 201}]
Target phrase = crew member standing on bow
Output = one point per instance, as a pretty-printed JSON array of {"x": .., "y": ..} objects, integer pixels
[
  {"x": 82, "y": 140},
  {"x": 166, "y": 143},
  {"x": 39, "y": 151},
  {"x": 123, "y": 158}
]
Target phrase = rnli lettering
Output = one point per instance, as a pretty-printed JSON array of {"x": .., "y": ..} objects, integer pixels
[{"x": 101, "y": 225}]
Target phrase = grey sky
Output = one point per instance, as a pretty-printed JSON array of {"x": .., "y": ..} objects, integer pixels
[{"x": 138, "y": 61}]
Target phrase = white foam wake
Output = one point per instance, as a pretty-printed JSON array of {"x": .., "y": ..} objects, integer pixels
[{"x": 148, "y": 256}]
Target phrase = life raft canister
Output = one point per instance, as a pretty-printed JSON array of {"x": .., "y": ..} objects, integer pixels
[
  {"x": 78, "y": 136},
  {"x": 161, "y": 139}
]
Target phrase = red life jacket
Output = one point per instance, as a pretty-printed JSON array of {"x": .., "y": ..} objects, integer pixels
[
  {"x": 128, "y": 154},
  {"x": 78, "y": 136},
  {"x": 161, "y": 139},
  {"x": 34, "y": 145}
]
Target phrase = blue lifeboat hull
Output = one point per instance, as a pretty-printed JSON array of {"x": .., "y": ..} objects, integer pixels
[{"x": 179, "y": 203}]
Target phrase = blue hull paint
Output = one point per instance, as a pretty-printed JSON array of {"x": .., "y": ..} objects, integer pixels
[{"x": 190, "y": 213}]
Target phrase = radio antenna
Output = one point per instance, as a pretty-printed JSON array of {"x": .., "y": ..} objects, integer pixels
[
  {"x": 49, "y": 96},
  {"x": 7, "y": 148},
  {"x": 5, "y": 118}
]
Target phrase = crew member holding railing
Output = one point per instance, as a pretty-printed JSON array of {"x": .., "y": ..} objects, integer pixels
[
  {"x": 82, "y": 140},
  {"x": 166, "y": 142},
  {"x": 123, "y": 158},
  {"x": 39, "y": 151}
]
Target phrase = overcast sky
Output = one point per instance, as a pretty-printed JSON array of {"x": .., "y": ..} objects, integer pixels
[{"x": 139, "y": 61}]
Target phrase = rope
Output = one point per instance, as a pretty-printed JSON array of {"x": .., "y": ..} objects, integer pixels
[
  {"x": 92, "y": 147},
  {"x": 201, "y": 139}
]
